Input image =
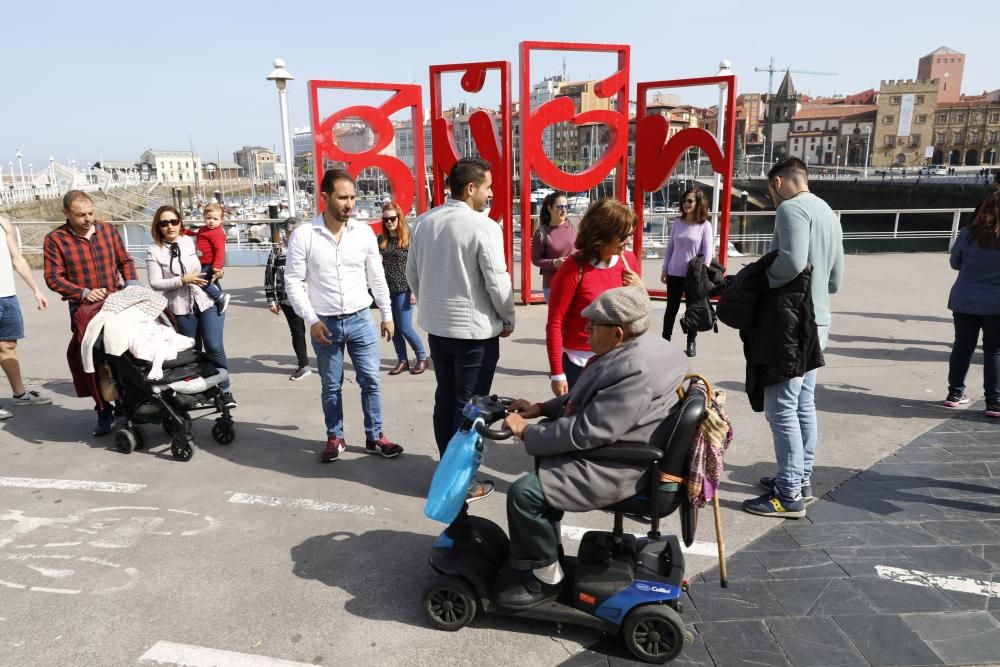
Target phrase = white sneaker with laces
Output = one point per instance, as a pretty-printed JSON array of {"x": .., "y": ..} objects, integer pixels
[{"x": 31, "y": 397}]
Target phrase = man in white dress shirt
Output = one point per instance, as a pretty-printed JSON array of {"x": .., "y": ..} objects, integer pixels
[{"x": 331, "y": 265}]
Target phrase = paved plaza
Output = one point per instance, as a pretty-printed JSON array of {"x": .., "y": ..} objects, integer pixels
[{"x": 256, "y": 552}]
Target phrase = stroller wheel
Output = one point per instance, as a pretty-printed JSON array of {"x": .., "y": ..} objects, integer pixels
[
  {"x": 182, "y": 449},
  {"x": 223, "y": 432},
  {"x": 125, "y": 441},
  {"x": 139, "y": 433}
]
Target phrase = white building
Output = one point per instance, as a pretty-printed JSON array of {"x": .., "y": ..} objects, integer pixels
[{"x": 172, "y": 166}]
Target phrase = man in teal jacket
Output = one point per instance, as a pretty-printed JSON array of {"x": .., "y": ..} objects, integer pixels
[{"x": 806, "y": 232}]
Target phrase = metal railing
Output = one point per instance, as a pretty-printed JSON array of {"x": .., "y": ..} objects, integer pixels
[{"x": 250, "y": 239}]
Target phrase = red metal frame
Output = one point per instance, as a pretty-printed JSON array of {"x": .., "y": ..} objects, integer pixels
[
  {"x": 407, "y": 184},
  {"x": 494, "y": 147},
  {"x": 560, "y": 109},
  {"x": 656, "y": 158}
]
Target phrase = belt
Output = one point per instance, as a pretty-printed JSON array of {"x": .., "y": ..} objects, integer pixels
[{"x": 345, "y": 315}]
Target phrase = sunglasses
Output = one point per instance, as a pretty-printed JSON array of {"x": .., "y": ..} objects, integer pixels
[
  {"x": 690, "y": 201},
  {"x": 168, "y": 223},
  {"x": 562, "y": 207},
  {"x": 393, "y": 218}
]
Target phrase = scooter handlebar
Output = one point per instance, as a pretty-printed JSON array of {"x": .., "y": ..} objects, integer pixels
[{"x": 493, "y": 434}]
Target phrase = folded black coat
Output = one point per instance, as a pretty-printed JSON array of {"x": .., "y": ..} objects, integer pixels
[
  {"x": 701, "y": 282},
  {"x": 781, "y": 341}
]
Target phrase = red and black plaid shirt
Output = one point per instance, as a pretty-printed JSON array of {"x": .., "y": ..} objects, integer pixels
[{"x": 74, "y": 264}]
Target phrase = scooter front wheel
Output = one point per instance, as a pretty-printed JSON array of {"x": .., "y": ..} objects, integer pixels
[
  {"x": 450, "y": 603},
  {"x": 654, "y": 633}
]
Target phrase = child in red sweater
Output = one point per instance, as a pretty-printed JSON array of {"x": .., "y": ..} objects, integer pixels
[{"x": 210, "y": 241}]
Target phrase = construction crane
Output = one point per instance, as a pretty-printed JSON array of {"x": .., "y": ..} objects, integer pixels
[{"x": 771, "y": 69}]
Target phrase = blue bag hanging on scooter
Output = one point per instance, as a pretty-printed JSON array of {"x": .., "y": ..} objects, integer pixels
[{"x": 456, "y": 470}]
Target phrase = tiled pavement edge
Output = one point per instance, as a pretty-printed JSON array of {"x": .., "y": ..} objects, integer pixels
[{"x": 809, "y": 592}]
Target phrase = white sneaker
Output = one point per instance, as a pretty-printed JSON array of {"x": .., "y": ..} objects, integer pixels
[
  {"x": 222, "y": 304},
  {"x": 5, "y": 414},
  {"x": 31, "y": 397}
]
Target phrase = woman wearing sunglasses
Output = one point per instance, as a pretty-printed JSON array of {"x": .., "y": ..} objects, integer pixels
[
  {"x": 553, "y": 241},
  {"x": 394, "y": 244},
  {"x": 690, "y": 236},
  {"x": 173, "y": 267},
  {"x": 600, "y": 263}
]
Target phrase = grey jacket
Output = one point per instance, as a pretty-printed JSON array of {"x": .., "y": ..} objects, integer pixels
[
  {"x": 457, "y": 272},
  {"x": 619, "y": 400}
]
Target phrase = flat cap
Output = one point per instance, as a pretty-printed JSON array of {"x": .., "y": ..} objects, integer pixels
[{"x": 618, "y": 306}]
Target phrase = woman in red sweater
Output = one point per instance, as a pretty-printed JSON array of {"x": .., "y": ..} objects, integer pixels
[{"x": 600, "y": 263}]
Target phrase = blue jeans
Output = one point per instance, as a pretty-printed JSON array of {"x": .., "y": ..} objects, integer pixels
[
  {"x": 206, "y": 327},
  {"x": 402, "y": 315},
  {"x": 213, "y": 290},
  {"x": 966, "y": 339},
  {"x": 790, "y": 409},
  {"x": 358, "y": 334}
]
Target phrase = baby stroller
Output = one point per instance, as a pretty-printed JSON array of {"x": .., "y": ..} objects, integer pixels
[{"x": 190, "y": 383}]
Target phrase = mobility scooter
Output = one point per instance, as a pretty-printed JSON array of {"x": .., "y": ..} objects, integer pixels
[{"x": 618, "y": 583}]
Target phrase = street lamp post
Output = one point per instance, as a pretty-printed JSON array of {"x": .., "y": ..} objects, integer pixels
[
  {"x": 868, "y": 138},
  {"x": 20, "y": 166},
  {"x": 724, "y": 70},
  {"x": 281, "y": 77}
]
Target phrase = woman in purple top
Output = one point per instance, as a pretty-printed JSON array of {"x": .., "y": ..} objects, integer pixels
[
  {"x": 690, "y": 236},
  {"x": 554, "y": 239}
]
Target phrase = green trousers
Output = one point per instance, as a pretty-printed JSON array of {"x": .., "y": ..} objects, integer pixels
[{"x": 533, "y": 525}]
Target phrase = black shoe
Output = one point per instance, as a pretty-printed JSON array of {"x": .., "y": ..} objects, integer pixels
[
  {"x": 807, "y": 489},
  {"x": 105, "y": 421},
  {"x": 524, "y": 590},
  {"x": 690, "y": 351},
  {"x": 227, "y": 398}
]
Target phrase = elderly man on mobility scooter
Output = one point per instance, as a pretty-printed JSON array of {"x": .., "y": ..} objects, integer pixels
[{"x": 626, "y": 390}]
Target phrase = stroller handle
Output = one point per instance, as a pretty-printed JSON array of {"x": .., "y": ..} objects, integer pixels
[{"x": 496, "y": 434}]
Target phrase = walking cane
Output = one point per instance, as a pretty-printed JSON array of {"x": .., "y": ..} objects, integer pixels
[{"x": 723, "y": 575}]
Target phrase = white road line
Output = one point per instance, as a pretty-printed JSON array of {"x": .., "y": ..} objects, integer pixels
[
  {"x": 696, "y": 549},
  {"x": 940, "y": 582},
  {"x": 61, "y": 591},
  {"x": 69, "y": 485},
  {"x": 300, "y": 503},
  {"x": 171, "y": 653}
]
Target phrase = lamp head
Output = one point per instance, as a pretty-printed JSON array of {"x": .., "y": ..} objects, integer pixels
[{"x": 280, "y": 75}]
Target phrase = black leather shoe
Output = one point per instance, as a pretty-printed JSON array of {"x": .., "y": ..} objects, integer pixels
[
  {"x": 526, "y": 590},
  {"x": 690, "y": 351}
]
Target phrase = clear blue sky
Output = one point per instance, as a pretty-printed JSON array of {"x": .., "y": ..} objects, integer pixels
[{"x": 81, "y": 79}]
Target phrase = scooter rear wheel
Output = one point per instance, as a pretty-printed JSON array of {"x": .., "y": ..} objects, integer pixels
[
  {"x": 654, "y": 633},
  {"x": 450, "y": 603}
]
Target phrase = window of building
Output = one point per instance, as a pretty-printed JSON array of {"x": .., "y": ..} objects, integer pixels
[
  {"x": 888, "y": 120},
  {"x": 977, "y": 117},
  {"x": 974, "y": 137},
  {"x": 959, "y": 117},
  {"x": 939, "y": 138},
  {"x": 956, "y": 137},
  {"x": 890, "y": 140},
  {"x": 894, "y": 100},
  {"x": 919, "y": 99},
  {"x": 921, "y": 119},
  {"x": 942, "y": 118},
  {"x": 915, "y": 140}
]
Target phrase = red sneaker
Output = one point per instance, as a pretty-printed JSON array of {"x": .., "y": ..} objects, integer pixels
[
  {"x": 383, "y": 447},
  {"x": 334, "y": 446}
]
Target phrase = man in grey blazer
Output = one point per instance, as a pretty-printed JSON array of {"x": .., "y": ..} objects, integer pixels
[
  {"x": 625, "y": 391},
  {"x": 457, "y": 272}
]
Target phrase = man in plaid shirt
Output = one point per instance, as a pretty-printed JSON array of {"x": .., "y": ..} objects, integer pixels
[{"x": 85, "y": 260}]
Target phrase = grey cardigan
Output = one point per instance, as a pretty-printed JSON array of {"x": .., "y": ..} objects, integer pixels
[
  {"x": 457, "y": 272},
  {"x": 619, "y": 400}
]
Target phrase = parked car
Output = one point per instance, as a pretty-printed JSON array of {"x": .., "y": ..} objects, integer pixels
[{"x": 934, "y": 170}]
